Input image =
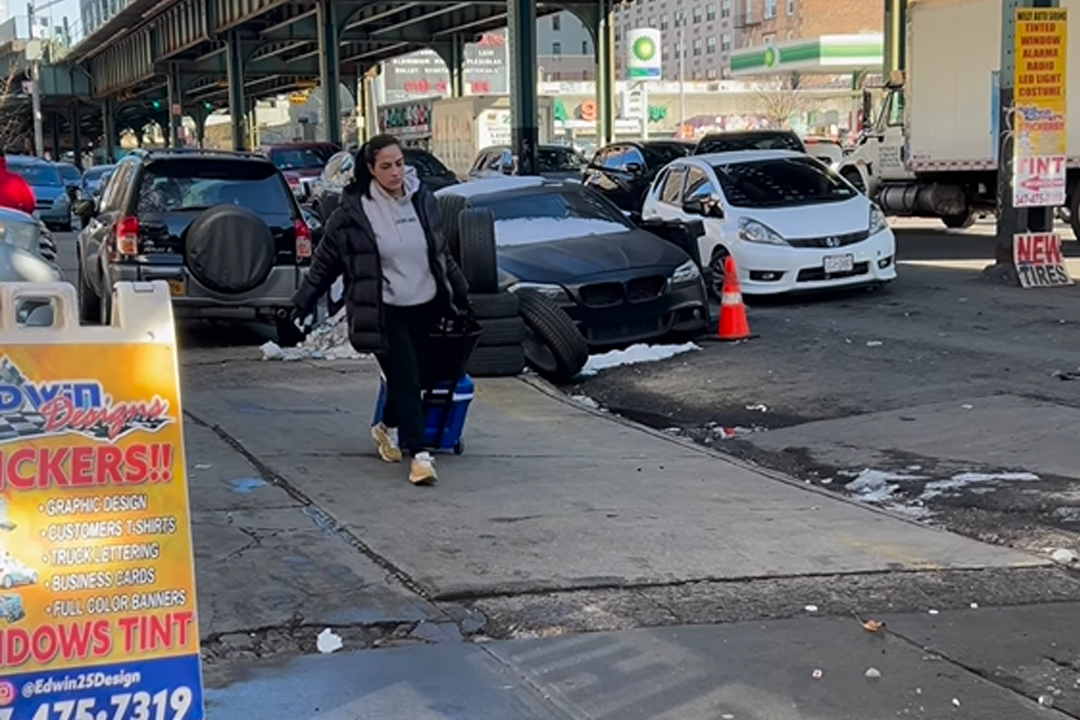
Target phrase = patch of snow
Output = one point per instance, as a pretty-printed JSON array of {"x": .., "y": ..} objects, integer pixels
[
  {"x": 328, "y": 340},
  {"x": 489, "y": 186},
  {"x": 586, "y": 401},
  {"x": 877, "y": 485},
  {"x": 523, "y": 231},
  {"x": 758, "y": 408},
  {"x": 328, "y": 641},
  {"x": 963, "y": 480},
  {"x": 633, "y": 355},
  {"x": 874, "y": 343},
  {"x": 1063, "y": 556}
]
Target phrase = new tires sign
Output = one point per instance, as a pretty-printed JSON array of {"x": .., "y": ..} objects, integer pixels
[{"x": 643, "y": 54}]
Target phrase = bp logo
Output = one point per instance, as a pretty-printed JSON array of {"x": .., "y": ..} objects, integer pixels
[
  {"x": 770, "y": 57},
  {"x": 644, "y": 49}
]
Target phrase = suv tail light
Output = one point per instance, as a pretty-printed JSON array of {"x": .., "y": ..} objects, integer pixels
[
  {"x": 127, "y": 236},
  {"x": 303, "y": 238}
]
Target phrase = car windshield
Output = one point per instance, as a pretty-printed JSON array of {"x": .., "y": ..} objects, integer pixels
[
  {"x": 95, "y": 173},
  {"x": 301, "y": 158},
  {"x": 70, "y": 173},
  {"x": 40, "y": 175},
  {"x": 559, "y": 159},
  {"x": 781, "y": 182},
  {"x": 426, "y": 165},
  {"x": 661, "y": 154},
  {"x": 527, "y": 217},
  {"x": 731, "y": 142},
  {"x": 192, "y": 184}
]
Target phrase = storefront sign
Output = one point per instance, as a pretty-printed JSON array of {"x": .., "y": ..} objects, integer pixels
[
  {"x": 406, "y": 120},
  {"x": 97, "y": 594},
  {"x": 1038, "y": 260},
  {"x": 1040, "y": 107}
]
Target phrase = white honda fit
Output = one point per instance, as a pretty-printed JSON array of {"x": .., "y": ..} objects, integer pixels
[{"x": 789, "y": 222}]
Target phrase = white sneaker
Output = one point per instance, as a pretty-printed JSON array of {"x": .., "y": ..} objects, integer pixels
[
  {"x": 387, "y": 442},
  {"x": 422, "y": 470}
]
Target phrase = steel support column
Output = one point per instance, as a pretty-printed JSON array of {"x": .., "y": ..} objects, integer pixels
[
  {"x": 457, "y": 66},
  {"x": 174, "y": 99},
  {"x": 605, "y": 73},
  {"x": 330, "y": 68},
  {"x": 237, "y": 104},
  {"x": 363, "y": 100},
  {"x": 76, "y": 134},
  {"x": 54, "y": 128},
  {"x": 524, "y": 133},
  {"x": 200, "y": 124},
  {"x": 108, "y": 129},
  {"x": 895, "y": 58}
]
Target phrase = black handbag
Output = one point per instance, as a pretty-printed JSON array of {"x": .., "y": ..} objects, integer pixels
[{"x": 446, "y": 351}]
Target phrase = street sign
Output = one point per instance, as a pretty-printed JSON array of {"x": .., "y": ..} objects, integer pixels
[
  {"x": 1038, "y": 260},
  {"x": 1039, "y": 107},
  {"x": 643, "y": 54}
]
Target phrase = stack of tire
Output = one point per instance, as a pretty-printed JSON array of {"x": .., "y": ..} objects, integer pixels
[{"x": 517, "y": 327}]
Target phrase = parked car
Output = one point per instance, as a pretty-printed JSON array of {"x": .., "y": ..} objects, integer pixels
[
  {"x": 733, "y": 140},
  {"x": 300, "y": 162},
  {"x": 618, "y": 282},
  {"x": 825, "y": 149},
  {"x": 27, "y": 254},
  {"x": 221, "y": 228},
  {"x": 28, "y": 233},
  {"x": 789, "y": 223},
  {"x": 92, "y": 179},
  {"x": 53, "y": 205},
  {"x": 623, "y": 172},
  {"x": 13, "y": 574},
  {"x": 72, "y": 178},
  {"x": 326, "y": 191},
  {"x": 556, "y": 162}
]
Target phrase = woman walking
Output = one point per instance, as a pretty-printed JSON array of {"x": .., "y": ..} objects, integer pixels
[{"x": 386, "y": 239}]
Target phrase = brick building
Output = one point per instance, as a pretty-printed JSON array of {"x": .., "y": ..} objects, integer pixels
[{"x": 763, "y": 22}]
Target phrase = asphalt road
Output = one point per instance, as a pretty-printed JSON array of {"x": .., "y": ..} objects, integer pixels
[{"x": 899, "y": 381}]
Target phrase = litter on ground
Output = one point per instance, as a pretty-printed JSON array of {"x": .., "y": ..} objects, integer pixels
[
  {"x": 328, "y": 641},
  {"x": 328, "y": 340}
]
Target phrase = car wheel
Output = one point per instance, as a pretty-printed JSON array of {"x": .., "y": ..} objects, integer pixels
[
  {"x": 504, "y": 331},
  {"x": 495, "y": 306},
  {"x": 288, "y": 335},
  {"x": 89, "y": 305},
  {"x": 479, "y": 262},
  {"x": 554, "y": 347},
  {"x": 497, "y": 361},
  {"x": 961, "y": 221},
  {"x": 716, "y": 270},
  {"x": 450, "y": 207}
]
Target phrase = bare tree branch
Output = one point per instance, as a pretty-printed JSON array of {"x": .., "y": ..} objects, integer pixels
[
  {"x": 778, "y": 101},
  {"x": 15, "y": 119}
]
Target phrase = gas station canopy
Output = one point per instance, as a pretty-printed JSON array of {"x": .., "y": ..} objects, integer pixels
[{"x": 826, "y": 55}]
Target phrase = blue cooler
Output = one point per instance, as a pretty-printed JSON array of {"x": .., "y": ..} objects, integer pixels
[{"x": 444, "y": 413}]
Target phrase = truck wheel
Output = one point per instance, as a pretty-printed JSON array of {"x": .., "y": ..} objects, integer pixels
[{"x": 959, "y": 222}]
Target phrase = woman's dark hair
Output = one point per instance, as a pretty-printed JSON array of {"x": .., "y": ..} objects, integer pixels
[{"x": 365, "y": 158}]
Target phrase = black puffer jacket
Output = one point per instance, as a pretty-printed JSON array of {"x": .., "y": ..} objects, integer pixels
[{"x": 348, "y": 249}]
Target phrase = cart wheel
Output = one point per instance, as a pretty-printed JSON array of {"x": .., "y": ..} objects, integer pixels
[{"x": 460, "y": 447}]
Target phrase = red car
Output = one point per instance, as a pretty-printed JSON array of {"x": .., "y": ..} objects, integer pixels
[{"x": 301, "y": 162}]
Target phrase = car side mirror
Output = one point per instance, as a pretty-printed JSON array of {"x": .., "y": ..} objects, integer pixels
[
  {"x": 85, "y": 209},
  {"x": 634, "y": 168},
  {"x": 507, "y": 168},
  {"x": 705, "y": 207}
]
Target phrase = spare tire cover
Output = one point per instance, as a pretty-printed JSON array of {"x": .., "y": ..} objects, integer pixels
[{"x": 229, "y": 249}]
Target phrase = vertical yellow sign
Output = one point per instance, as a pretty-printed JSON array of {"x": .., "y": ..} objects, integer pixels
[{"x": 1039, "y": 103}]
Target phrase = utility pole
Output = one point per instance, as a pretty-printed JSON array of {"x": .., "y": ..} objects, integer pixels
[
  {"x": 682, "y": 72},
  {"x": 35, "y": 84},
  {"x": 1021, "y": 148}
]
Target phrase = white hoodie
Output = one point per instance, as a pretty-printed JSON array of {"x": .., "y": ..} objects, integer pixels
[{"x": 403, "y": 250}]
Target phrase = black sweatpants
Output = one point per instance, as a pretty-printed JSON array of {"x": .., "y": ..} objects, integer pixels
[{"x": 405, "y": 329}]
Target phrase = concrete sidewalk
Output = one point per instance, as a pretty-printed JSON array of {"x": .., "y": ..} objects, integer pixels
[{"x": 552, "y": 496}]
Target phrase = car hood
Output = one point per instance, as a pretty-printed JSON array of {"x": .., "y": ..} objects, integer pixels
[
  {"x": 19, "y": 265},
  {"x": 807, "y": 221},
  {"x": 48, "y": 192},
  {"x": 576, "y": 259}
]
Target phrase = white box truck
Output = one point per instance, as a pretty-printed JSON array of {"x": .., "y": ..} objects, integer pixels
[{"x": 930, "y": 151}]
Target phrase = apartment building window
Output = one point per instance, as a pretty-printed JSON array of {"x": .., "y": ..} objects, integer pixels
[
  {"x": 769, "y": 39},
  {"x": 710, "y": 74},
  {"x": 710, "y": 12},
  {"x": 651, "y": 21},
  {"x": 663, "y": 22},
  {"x": 710, "y": 45},
  {"x": 697, "y": 14},
  {"x": 556, "y": 23},
  {"x": 678, "y": 49},
  {"x": 680, "y": 18},
  {"x": 725, "y": 43},
  {"x": 770, "y": 9},
  {"x": 725, "y": 8},
  {"x": 556, "y": 48},
  {"x": 790, "y": 7},
  {"x": 697, "y": 47},
  {"x": 584, "y": 47}
]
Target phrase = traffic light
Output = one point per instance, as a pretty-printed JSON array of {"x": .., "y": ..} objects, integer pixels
[
  {"x": 157, "y": 104},
  {"x": 207, "y": 106}
]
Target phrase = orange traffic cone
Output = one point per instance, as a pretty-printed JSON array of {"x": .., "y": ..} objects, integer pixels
[{"x": 733, "y": 323}]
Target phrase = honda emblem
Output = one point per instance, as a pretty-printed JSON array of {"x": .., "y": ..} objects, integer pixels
[{"x": 832, "y": 242}]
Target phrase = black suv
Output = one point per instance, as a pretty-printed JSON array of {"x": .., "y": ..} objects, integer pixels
[{"x": 221, "y": 228}]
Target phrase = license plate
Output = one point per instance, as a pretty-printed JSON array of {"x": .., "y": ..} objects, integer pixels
[
  {"x": 839, "y": 264},
  {"x": 176, "y": 287}
]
